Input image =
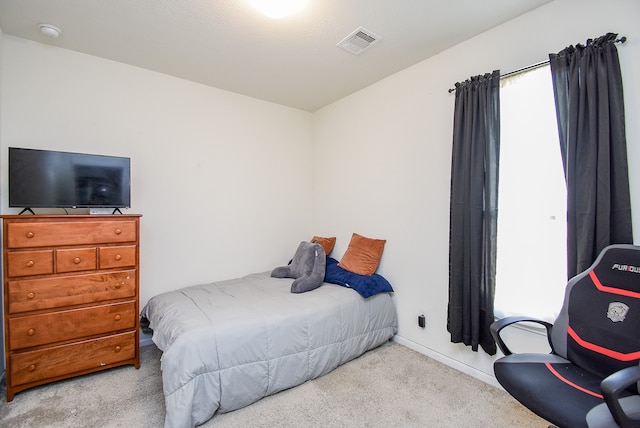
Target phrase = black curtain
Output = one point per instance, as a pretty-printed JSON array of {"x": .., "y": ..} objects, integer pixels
[
  {"x": 473, "y": 211},
  {"x": 587, "y": 85}
]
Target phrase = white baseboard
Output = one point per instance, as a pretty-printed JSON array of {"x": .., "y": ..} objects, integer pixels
[
  {"x": 145, "y": 339},
  {"x": 471, "y": 371}
]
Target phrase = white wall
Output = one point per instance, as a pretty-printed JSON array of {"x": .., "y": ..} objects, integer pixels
[
  {"x": 382, "y": 159},
  {"x": 223, "y": 181},
  {"x": 2, "y": 155}
]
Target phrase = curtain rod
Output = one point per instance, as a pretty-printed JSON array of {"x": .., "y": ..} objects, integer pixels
[{"x": 536, "y": 65}]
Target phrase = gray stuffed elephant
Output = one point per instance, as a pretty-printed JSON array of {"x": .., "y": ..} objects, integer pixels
[{"x": 307, "y": 267}]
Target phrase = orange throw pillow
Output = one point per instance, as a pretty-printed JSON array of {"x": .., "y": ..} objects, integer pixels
[
  {"x": 327, "y": 243},
  {"x": 363, "y": 255}
]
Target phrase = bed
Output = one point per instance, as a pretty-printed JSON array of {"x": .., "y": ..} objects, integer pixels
[{"x": 228, "y": 344}]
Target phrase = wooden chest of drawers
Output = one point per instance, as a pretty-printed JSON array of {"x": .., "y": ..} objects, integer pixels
[{"x": 71, "y": 287}]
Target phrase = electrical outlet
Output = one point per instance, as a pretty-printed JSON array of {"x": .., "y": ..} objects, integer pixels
[{"x": 421, "y": 321}]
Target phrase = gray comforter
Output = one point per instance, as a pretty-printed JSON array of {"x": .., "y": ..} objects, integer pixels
[{"x": 228, "y": 344}]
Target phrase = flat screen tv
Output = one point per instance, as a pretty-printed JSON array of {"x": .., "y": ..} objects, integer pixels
[{"x": 52, "y": 179}]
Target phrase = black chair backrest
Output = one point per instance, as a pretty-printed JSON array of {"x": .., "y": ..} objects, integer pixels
[{"x": 598, "y": 327}]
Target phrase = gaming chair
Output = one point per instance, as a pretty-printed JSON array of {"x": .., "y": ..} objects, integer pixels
[{"x": 590, "y": 378}]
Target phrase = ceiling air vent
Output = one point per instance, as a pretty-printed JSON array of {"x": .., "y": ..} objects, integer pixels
[{"x": 358, "y": 41}]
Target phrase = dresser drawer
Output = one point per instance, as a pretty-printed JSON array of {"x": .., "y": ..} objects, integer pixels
[
  {"x": 116, "y": 257},
  {"x": 46, "y": 293},
  {"x": 25, "y": 263},
  {"x": 34, "y": 330},
  {"x": 49, "y": 233},
  {"x": 76, "y": 259},
  {"x": 68, "y": 359}
]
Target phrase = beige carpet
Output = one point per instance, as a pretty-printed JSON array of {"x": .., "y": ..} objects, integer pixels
[{"x": 391, "y": 386}]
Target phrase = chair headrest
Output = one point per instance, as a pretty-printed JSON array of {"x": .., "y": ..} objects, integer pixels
[{"x": 618, "y": 266}]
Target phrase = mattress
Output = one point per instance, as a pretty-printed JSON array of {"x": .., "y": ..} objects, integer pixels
[{"x": 228, "y": 344}]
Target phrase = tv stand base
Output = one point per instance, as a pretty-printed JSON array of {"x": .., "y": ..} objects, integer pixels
[
  {"x": 28, "y": 210},
  {"x": 103, "y": 211}
]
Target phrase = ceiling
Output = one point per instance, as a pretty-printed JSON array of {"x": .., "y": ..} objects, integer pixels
[{"x": 229, "y": 45}]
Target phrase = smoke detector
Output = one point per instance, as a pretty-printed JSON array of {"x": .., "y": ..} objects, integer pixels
[
  {"x": 356, "y": 42},
  {"x": 49, "y": 30}
]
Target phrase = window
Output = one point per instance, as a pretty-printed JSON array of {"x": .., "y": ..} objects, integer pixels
[{"x": 531, "y": 270}]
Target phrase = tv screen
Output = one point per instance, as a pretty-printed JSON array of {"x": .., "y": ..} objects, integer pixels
[{"x": 51, "y": 179}]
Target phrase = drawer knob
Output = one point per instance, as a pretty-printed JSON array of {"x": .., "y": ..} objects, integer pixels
[
  {"x": 118, "y": 257},
  {"x": 76, "y": 260},
  {"x": 30, "y": 263},
  {"x": 117, "y": 317},
  {"x": 118, "y": 286},
  {"x": 31, "y": 332},
  {"x": 118, "y": 231},
  {"x": 31, "y": 295},
  {"x": 32, "y": 367},
  {"x": 117, "y": 348},
  {"x": 29, "y": 235}
]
